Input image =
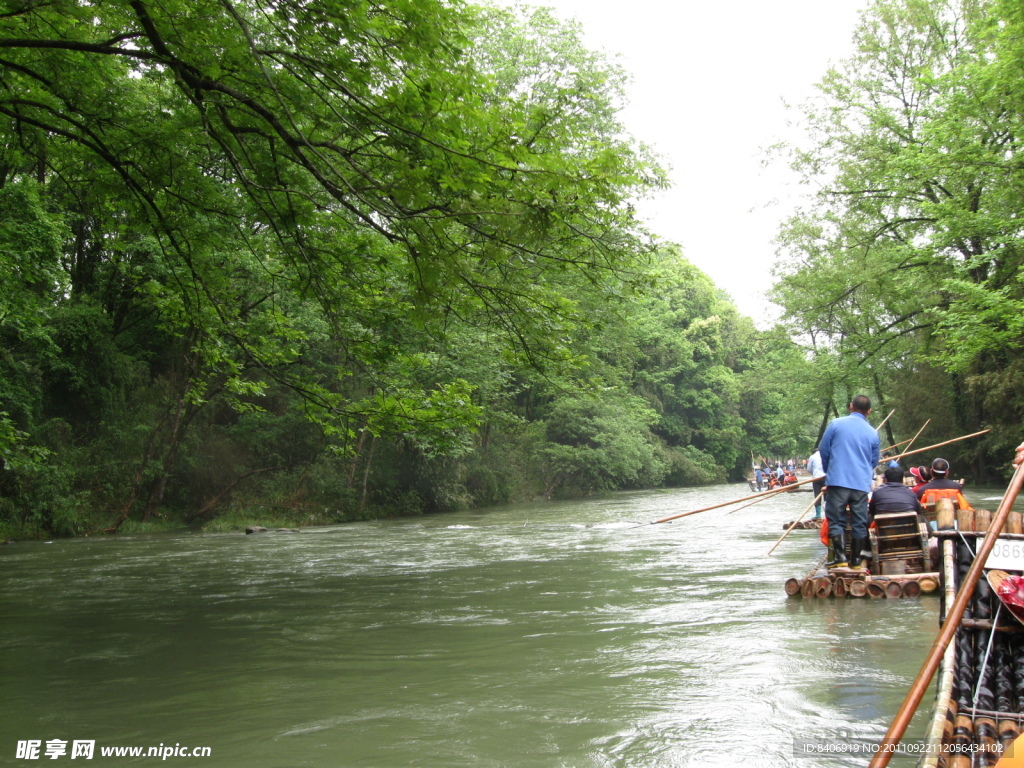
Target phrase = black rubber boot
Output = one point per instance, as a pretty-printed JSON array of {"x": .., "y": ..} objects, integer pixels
[
  {"x": 860, "y": 546},
  {"x": 837, "y": 552}
]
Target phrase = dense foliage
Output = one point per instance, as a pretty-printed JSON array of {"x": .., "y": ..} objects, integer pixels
[
  {"x": 304, "y": 262},
  {"x": 905, "y": 274}
]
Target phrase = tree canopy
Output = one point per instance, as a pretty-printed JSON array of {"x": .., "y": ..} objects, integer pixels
[
  {"x": 323, "y": 260},
  {"x": 906, "y": 268}
]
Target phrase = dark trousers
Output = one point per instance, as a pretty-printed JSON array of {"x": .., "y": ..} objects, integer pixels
[{"x": 836, "y": 499}]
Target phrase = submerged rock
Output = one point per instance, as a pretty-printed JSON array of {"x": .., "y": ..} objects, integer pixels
[{"x": 261, "y": 529}]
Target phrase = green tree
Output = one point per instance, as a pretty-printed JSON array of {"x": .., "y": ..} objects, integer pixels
[
  {"x": 909, "y": 257},
  {"x": 314, "y": 198}
]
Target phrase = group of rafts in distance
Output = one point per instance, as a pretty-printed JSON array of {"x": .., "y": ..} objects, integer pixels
[{"x": 974, "y": 561}]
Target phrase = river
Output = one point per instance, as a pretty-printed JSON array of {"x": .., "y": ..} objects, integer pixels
[{"x": 546, "y": 635}]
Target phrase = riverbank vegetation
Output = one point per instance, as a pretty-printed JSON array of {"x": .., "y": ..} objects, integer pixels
[
  {"x": 310, "y": 262},
  {"x": 306, "y": 262},
  {"x": 905, "y": 272}
]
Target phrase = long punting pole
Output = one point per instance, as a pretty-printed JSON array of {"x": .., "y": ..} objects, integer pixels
[
  {"x": 781, "y": 489},
  {"x": 947, "y": 665},
  {"x": 748, "y": 504},
  {"x": 816, "y": 500},
  {"x": 914, "y": 438},
  {"x": 949, "y": 627},
  {"x": 897, "y": 445},
  {"x": 910, "y": 441},
  {"x": 879, "y": 427},
  {"x": 937, "y": 445}
]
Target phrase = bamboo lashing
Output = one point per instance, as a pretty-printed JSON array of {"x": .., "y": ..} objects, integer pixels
[
  {"x": 780, "y": 489},
  {"x": 817, "y": 499},
  {"x": 920, "y": 685},
  {"x": 937, "y": 445}
]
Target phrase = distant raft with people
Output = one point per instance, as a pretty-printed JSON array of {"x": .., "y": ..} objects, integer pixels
[{"x": 772, "y": 482}]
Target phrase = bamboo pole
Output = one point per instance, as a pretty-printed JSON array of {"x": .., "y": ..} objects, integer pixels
[
  {"x": 816, "y": 500},
  {"x": 909, "y": 441},
  {"x": 749, "y": 504},
  {"x": 937, "y": 445},
  {"x": 879, "y": 427},
  {"x": 943, "y": 696},
  {"x": 780, "y": 489},
  {"x": 756, "y": 501},
  {"x": 897, "y": 445},
  {"x": 920, "y": 685},
  {"x": 918, "y": 433}
]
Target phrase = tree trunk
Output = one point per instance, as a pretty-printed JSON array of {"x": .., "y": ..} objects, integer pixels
[
  {"x": 355, "y": 459},
  {"x": 159, "y": 486},
  {"x": 883, "y": 406},
  {"x": 133, "y": 490},
  {"x": 824, "y": 421},
  {"x": 183, "y": 415},
  {"x": 297, "y": 495},
  {"x": 204, "y": 511},
  {"x": 366, "y": 473},
  {"x": 558, "y": 477}
]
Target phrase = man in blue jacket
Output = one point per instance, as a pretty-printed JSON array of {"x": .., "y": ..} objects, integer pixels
[{"x": 849, "y": 453}]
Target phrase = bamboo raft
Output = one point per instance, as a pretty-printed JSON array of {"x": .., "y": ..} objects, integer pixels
[
  {"x": 846, "y": 582},
  {"x": 814, "y": 523},
  {"x": 900, "y": 565},
  {"x": 979, "y": 702},
  {"x": 904, "y": 564}
]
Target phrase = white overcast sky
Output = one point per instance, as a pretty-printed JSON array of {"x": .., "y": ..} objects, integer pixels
[{"x": 709, "y": 83}]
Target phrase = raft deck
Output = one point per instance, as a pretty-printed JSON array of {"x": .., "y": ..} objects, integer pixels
[{"x": 979, "y": 702}]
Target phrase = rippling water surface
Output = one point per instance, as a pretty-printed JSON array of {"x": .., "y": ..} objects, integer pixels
[{"x": 549, "y": 635}]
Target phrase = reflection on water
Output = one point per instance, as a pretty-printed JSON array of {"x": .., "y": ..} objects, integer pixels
[{"x": 547, "y": 635}]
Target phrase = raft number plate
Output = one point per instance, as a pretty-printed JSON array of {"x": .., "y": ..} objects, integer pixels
[{"x": 1006, "y": 555}]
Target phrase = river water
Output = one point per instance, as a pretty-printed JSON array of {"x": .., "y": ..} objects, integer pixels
[{"x": 548, "y": 635}]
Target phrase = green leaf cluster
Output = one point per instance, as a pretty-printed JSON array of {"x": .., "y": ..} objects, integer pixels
[
  {"x": 909, "y": 256},
  {"x": 334, "y": 258}
]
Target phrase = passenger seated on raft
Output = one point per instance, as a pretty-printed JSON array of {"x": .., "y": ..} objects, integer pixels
[
  {"x": 922, "y": 476},
  {"x": 941, "y": 487},
  {"x": 892, "y": 495}
]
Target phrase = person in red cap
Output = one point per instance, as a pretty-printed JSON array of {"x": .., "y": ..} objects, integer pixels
[{"x": 922, "y": 476}]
